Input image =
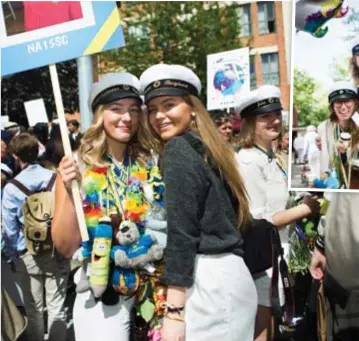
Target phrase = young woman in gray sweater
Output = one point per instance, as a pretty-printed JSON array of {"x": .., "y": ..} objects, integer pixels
[{"x": 211, "y": 294}]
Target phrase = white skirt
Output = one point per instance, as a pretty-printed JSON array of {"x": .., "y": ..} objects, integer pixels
[
  {"x": 94, "y": 321},
  {"x": 222, "y": 303}
]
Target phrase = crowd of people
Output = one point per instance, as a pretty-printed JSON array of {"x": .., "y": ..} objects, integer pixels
[{"x": 168, "y": 197}]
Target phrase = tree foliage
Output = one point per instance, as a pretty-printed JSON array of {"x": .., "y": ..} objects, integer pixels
[
  {"x": 33, "y": 84},
  {"x": 309, "y": 103},
  {"x": 174, "y": 33}
]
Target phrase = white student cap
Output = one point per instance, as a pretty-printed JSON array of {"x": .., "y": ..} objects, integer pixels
[
  {"x": 342, "y": 90},
  {"x": 169, "y": 80},
  {"x": 112, "y": 87},
  {"x": 262, "y": 100}
]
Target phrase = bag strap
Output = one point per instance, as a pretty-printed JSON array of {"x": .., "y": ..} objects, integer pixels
[
  {"x": 51, "y": 183},
  {"x": 20, "y": 186},
  {"x": 287, "y": 316},
  {"x": 26, "y": 191}
]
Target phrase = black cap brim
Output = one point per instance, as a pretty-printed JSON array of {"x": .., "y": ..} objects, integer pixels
[
  {"x": 165, "y": 92},
  {"x": 343, "y": 96},
  {"x": 115, "y": 96},
  {"x": 262, "y": 110}
]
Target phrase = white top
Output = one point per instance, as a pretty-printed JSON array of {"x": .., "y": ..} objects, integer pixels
[
  {"x": 310, "y": 145},
  {"x": 265, "y": 183}
]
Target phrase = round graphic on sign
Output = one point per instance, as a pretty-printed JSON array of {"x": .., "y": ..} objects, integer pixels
[{"x": 229, "y": 79}]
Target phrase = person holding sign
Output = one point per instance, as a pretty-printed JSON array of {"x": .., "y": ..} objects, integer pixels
[
  {"x": 265, "y": 179},
  {"x": 211, "y": 294},
  {"x": 339, "y": 134},
  {"x": 115, "y": 154}
]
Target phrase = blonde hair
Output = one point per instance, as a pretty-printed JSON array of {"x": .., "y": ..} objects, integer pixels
[
  {"x": 222, "y": 154},
  {"x": 94, "y": 144}
]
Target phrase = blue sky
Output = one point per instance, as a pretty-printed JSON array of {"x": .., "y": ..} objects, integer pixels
[{"x": 316, "y": 55}]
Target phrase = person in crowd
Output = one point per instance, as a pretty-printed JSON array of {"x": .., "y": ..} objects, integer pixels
[
  {"x": 281, "y": 148},
  {"x": 211, "y": 294},
  {"x": 223, "y": 122},
  {"x": 335, "y": 261},
  {"x": 311, "y": 152},
  {"x": 339, "y": 135},
  {"x": 6, "y": 157},
  {"x": 298, "y": 145},
  {"x": 115, "y": 149},
  {"x": 43, "y": 273},
  {"x": 75, "y": 134},
  {"x": 13, "y": 128},
  {"x": 265, "y": 180},
  {"x": 54, "y": 150},
  {"x": 41, "y": 132}
]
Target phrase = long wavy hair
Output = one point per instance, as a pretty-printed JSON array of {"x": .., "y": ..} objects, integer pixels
[
  {"x": 221, "y": 153},
  {"x": 94, "y": 144}
]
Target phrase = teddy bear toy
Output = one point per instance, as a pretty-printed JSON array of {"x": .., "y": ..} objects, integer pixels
[{"x": 133, "y": 251}]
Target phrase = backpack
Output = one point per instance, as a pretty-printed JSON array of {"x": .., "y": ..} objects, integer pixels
[{"x": 38, "y": 211}]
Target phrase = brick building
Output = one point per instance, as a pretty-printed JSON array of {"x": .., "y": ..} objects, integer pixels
[{"x": 266, "y": 28}]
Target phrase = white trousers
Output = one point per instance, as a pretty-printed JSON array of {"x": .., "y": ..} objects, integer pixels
[
  {"x": 94, "y": 321},
  {"x": 222, "y": 303}
]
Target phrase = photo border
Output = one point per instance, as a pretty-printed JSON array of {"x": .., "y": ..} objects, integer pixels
[
  {"x": 87, "y": 20},
  {"x": 291, "y": 110}
]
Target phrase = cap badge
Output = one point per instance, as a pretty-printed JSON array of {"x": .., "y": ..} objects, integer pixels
[
  {"x": 156, "y": 84},
  {"x": 126, "y": 87}
]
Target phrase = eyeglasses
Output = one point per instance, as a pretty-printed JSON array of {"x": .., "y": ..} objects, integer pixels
[{"x": 347, "y": 103}]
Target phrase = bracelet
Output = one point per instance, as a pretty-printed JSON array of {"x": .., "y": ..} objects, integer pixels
[
  {"x": 170, "y": 308},
  {"x": 174, "y": 318}
]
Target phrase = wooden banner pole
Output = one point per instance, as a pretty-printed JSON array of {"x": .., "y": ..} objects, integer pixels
[{"x": 67, "y": 149}]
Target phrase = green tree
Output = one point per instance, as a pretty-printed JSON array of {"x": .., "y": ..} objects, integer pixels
[
  {"x": 309, "y": 102},
  {"x": 341, "y": 70},
  {"x": 174, "y": 33},
  {"x": 33, "y": 84}
]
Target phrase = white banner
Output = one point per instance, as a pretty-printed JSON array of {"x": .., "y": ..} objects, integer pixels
[
  {"x": 35, "y": 112},
  {"x": 228, "y": 78}
]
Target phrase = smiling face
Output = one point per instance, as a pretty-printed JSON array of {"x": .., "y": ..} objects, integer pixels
[
  {"x": 169, "y": 116},
  {"x": 268, "y": 126},
  {"x": 120, "y": 119},
  {"x": 344, "y": 109}
]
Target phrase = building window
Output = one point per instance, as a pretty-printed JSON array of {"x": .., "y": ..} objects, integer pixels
[
  {"x": 270, "y": 69},
  {"x": 244, "y": 16},
  {"x": 252, "y": 70},
  {"x": 266, "y": 17}
]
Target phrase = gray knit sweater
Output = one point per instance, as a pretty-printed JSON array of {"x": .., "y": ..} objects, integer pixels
[{"x": 201, "y": 218}]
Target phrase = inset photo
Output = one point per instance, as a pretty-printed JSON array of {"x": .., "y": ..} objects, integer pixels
[{"x": 325, "y": 100}]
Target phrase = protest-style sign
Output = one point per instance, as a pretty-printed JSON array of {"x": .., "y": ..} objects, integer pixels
[
  {"x": 49, "y": 32},
  {"x": 228, "y": 78},
  {"x": 36, "y": 112},
  {"x": 3, "y": 120}
]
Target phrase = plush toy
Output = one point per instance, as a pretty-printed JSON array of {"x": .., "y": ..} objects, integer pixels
[
  {"x": 98, "y": 269},
  {"x": 133, "y": 251}
]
